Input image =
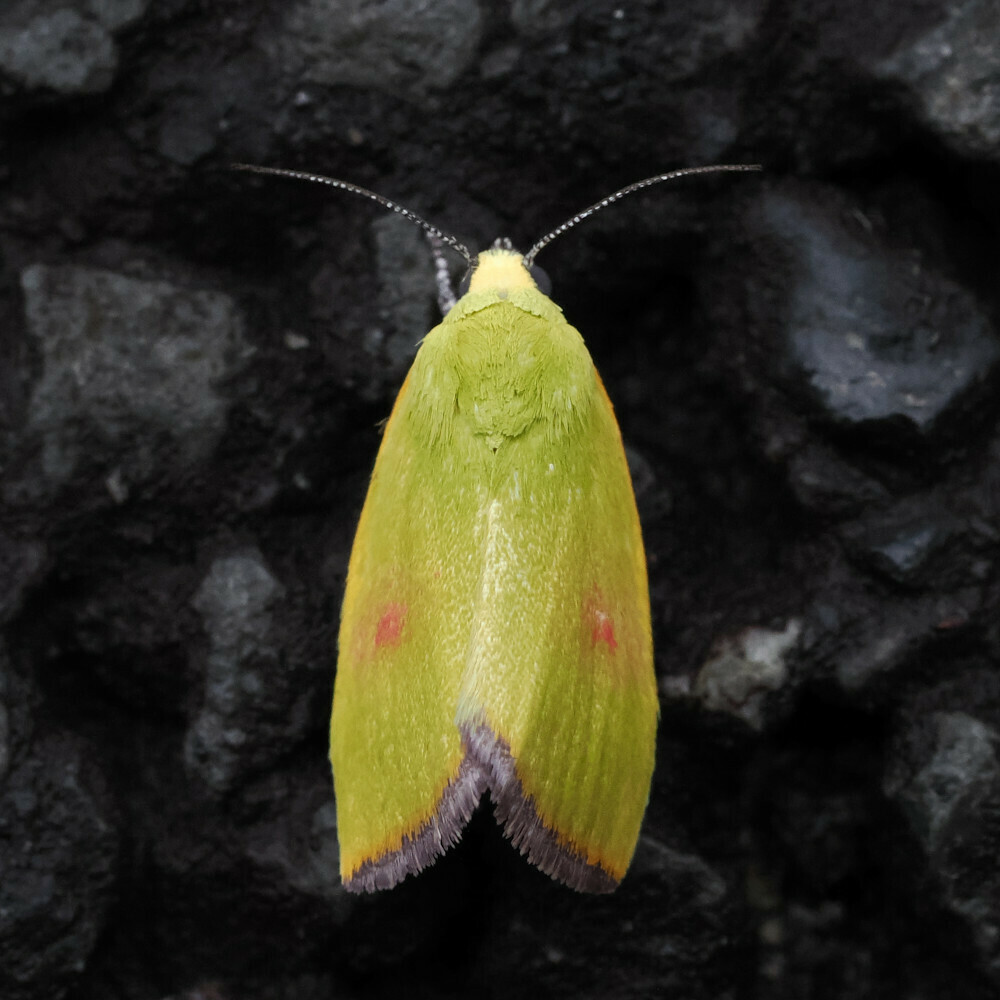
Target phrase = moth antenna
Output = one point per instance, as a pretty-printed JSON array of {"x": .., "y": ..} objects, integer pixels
[
  {"x": 529, "y": 257},
  {"x": 432, "y": 231},
  {"x": 442, "y": 276}
]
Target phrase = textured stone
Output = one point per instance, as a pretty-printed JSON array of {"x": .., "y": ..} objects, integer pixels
[
  {"x": 744, "y": 669},
  {"x": 64, "y": 48},
  {"x": 406, "y": 282},
  {"x": 953, "y": 72},
  {"x": 400, "y": 45},
  {"x": 125, "y": 362},
  {"x": 60, "y": 51},
  {"x": 300, "y": 848},
  {"x": 870, "y": 336},
  {"x": 945, "y": 776},
  {"x": 950, "y": 765},
  {"x": 904, "y": 541},
  {"x": 883, "y": 637},
  {"x": 58, "y": 858},
  {"x": 236, "y": 599},
  {"x": 824, "y": 482}
]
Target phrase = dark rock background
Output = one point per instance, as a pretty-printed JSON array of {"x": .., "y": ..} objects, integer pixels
[{"x": 193, "y": 365}]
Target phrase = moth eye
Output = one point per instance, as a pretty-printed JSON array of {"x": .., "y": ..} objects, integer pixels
[
  {"x": 541, "y": 279},
  {"x": 463, "y": 285}
]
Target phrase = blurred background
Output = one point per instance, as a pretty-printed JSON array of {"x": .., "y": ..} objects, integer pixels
[{"x": 194, "y": 364}]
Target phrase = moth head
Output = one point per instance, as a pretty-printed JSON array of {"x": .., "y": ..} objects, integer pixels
[{"x": 502, "y": 268}]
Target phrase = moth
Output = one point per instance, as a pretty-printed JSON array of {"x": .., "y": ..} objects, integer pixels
[{"x": 495, "y": 633}]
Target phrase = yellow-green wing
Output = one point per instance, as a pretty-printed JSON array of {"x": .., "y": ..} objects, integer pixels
[
  {"x": 559, "y": 700},
  {"x": 403, "y": 788}
]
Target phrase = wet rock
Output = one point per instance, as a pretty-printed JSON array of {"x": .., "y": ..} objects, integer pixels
[
  {"x": 130, "y": 366},
  {"x": 298, "y": 844},
  {"x": 240, "y": 720},
  {"x": 945, "y": 776},
  {"x": 58, "y": 858},
  {"x": 881, "y": 638},
  {"x": 65, "y": 49},
  {"x": 825, "y": 483},
  {"x": 911, "y": 543},
  {"x": 871, "y": 338},
  {"x": 927, "y": 541},
  {"x": 952, "y": 71},
  {"x": 948, "y": 764},
  {"x": 399, "y": 46},
  {"x": 743, "y": 669}
]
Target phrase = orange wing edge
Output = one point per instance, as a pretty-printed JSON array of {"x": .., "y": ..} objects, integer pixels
[
  {"x": 420, "y": 849},
  {"x": 488, "y": 763}
]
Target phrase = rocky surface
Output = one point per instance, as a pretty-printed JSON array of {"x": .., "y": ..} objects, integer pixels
[{"x": 804, "y": 363}]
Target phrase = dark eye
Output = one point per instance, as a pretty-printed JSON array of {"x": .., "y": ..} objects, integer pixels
[
  {"x": 463, "y": 285},
  {"x": 541, "y": 279}
]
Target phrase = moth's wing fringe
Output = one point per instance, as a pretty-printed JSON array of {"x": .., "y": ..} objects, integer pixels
[
  {"x": 516, "y": 811},
  {"x": 440, "y": 832}
]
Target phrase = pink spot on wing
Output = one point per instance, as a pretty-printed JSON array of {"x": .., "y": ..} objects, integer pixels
[
  {"x": 603, "y": 630},
  {"x": 599, "y": 621},
  {"x": 389, "y": 631}
]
